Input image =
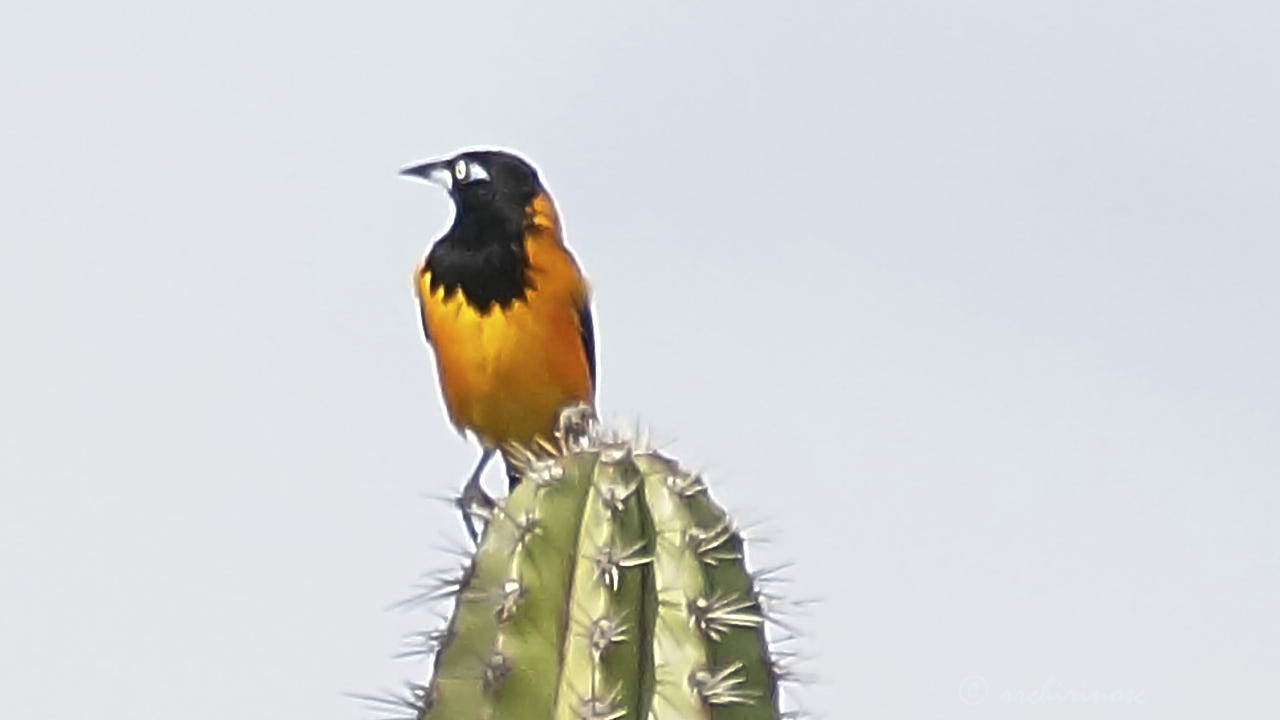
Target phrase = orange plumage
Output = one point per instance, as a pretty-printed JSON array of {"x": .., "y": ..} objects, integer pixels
[{"x": 505, "y": 373}]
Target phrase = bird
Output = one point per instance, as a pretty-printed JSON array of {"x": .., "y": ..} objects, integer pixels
[{"x": 505, "y": 308}]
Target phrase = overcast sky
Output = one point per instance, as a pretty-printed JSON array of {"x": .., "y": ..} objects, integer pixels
[{"x": 972, "y": 306}]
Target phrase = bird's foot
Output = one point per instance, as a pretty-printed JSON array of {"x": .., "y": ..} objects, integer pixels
[{"x": 576, "y": 426}]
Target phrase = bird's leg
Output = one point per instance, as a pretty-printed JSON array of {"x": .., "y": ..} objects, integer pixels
[{"x": 474, "y": 500}]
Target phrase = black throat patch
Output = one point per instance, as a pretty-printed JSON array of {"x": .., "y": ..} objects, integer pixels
[{"x": 483, "y": 256}]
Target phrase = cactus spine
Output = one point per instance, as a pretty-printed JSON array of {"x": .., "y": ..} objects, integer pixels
[{"x": 607, "y": 586}]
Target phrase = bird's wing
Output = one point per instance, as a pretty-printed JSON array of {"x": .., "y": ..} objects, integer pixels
[{"x": 588, "y": 334}]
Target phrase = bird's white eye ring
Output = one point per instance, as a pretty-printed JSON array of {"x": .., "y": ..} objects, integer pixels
[
  {"x": 476, "y": 172},
  {"x": 460, "y": 169}
]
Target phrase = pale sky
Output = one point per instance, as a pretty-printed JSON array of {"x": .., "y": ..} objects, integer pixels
[{"x": 969, "y": 307}]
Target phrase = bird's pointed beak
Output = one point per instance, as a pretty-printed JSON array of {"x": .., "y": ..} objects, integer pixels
[{"x": 433, "y": 171}]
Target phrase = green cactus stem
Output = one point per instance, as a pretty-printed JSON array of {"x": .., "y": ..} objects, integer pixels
[{"x": 606, "y": 586}]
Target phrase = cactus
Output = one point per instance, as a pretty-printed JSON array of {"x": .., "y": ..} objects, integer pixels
[{"x": 606, "y": 586}]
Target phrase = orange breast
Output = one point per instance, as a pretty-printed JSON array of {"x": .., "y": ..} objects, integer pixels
[{"x": 506, "y": 373}]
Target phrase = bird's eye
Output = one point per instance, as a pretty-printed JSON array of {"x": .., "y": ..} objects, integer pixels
[{"x": 460, "y": 169}]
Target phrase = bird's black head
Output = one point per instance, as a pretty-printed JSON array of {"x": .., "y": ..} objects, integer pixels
[
  {"x": 482, "y": 181},
  {"x": 483, "y": 253}
]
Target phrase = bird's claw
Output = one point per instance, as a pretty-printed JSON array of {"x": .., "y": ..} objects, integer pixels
[{"x": 575, "y": 425}]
